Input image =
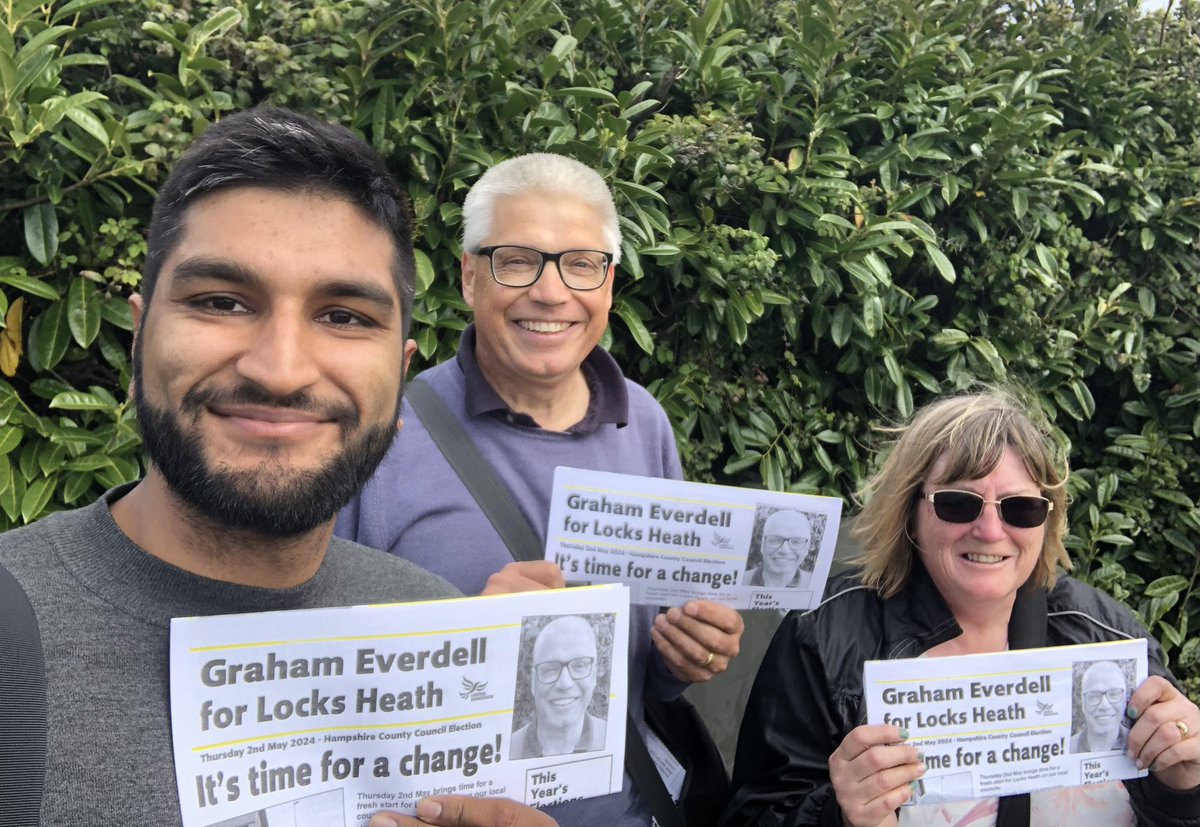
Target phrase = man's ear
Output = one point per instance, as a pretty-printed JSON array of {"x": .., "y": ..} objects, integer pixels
[
  {"x": 137, "y": 307},
  {"x": 468, "y": 279},
  {"x": 410, "y": 347}
]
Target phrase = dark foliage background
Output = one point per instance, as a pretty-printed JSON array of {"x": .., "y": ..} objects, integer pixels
[{"x": 833, "y": 211}]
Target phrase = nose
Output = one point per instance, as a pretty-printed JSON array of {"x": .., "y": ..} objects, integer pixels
[
  {"x": 280, "y": 353},
  {"x": 550, "y": 287},
  {"x": 565, "y": 681},
  {"x": 988, "y": 525}
]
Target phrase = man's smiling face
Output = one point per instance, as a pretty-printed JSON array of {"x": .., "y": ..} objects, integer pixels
[
  {"x": 537, "y": 335},
  {"x": 562, "y": 702},
  {"x": 1103, "y": 690},
  {"x": 268, "y": 365}
]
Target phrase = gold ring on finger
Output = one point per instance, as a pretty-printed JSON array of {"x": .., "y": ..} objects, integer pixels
[
  {"x": 1183, "y": 729},
  {"x": 708, "y": 662}
]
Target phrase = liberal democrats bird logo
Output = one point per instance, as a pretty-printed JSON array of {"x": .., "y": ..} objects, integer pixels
[
  {"x": 470, "y": 687},
  {"x": 1045, "y": 708}
]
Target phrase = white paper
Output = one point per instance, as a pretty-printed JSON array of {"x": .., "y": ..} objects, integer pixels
[
  {"x": 326, "y": 716},
  {"x": 669, "y": 769},
  {"x": 673, "y": 541},
  {"x": 1003, "y": 724}
]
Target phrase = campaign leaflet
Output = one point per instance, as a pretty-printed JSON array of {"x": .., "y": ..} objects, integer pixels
[
  {"x": 1012, "y": 722},
  {"x": 672, "y": 541},
  {"x": 326, "y": 716}
]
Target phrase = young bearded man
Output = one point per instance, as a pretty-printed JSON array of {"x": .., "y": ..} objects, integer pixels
[{"x": 268, "y": 358}]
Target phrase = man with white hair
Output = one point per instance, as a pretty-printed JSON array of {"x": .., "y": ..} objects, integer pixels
[{"x": 533, "y": 390}]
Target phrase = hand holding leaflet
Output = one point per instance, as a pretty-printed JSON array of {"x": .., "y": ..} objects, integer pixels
[
  {"x": 698, "y": 640},
  {"x": 872, "y": 771},
  {"x": 525, "y": 576},
  {"x": 1163, "y": 735}
]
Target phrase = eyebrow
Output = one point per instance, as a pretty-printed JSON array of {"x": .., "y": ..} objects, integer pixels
[{"x": 231, "y": 272}]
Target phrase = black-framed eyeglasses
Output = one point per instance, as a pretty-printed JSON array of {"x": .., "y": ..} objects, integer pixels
[
  {"x": 1020, "y": 511},
  {"x": 775, "y": 541},
  {"x": 515, "y": 266},
  {"x": 578, "y": 668},
  {"x": 1113, "y": 696}
]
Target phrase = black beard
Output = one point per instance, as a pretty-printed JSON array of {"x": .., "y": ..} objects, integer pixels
[{"x": 267, "y": 500}]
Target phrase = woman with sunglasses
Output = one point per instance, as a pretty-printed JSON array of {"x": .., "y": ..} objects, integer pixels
[{"x": 962, "y": 538}]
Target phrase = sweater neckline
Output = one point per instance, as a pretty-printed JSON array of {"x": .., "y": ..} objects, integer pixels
[{"x": 128, "y": 577}]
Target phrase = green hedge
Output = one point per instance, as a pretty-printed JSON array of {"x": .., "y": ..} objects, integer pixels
[{"x": 832, "y": 212}]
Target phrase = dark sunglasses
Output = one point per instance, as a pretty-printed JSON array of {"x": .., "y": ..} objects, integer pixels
[{"x": 965, "y": 507}]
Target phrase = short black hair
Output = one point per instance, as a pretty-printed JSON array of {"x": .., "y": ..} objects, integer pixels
[{"x": 279, "y": 149}]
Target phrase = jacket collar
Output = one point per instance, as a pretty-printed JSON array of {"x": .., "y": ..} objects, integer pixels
[
  {"x": 924, "y": 620},
  {"x": 918, "y": 614}
]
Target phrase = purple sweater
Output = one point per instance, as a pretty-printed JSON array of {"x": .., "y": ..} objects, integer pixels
[{"x": 416, "y": 507}]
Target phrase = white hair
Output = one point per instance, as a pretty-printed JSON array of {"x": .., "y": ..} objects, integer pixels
[{"x": 538, "y": 172}]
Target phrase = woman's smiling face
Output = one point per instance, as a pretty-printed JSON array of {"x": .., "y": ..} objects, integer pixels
[{"x": 981, "y": 563}]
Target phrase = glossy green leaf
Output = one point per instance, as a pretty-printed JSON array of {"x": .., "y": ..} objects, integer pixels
[
  {"x": 83, "y": 311},
  {"x": 74, "y": 7},
  {"x": 75, "y": 485},
  {"x": 35, "y": 287},
  {"x": 10, "y": 438},
  {"x": 904, "y": 399},
  {"x": 12, "y": 491},
  {"x": 89, "y": 123},
  {"x": 163, "y": 33},
  {"x": 88, "y": 462},
  {"x": 425, "y": 271},
  {"x": 76, "y": 401},
  {"x": 1174, "y": 496},
  {"x": 950, "y": 337},
  {"x": 888, "y": 175},
  {"x": 43, "y": 38},
  {"x": 1020, "y": 202},
  {"x": 744, "y": 461},
  {"x": 1166, "y": 585},
  {"x": 49, "y": 337},
  {"x": 41, "y": 231},
  {"x": 635, "y": 325},
  {"x": 587, "y": 92},
  {"x": 873, "y": 315},
  {"x": 842, "y": 325},
  {"x": 944, "y": 267},
  {"x": 220, "y": 21},
  {"x": 37, "y": 497}
]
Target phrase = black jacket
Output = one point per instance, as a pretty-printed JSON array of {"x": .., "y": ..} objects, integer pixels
[{"x": 808, "y": 694}]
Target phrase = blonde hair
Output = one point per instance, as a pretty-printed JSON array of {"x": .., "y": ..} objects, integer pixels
[{"x": 969, "y": 432}]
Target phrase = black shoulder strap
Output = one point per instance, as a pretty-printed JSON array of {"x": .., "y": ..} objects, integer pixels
[
  {"x": 494, "y": 500},
  {"x": 1026, "y": 630},
  {"x": 476, "y": 472},
  {"x": 22, "y": 708}
]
